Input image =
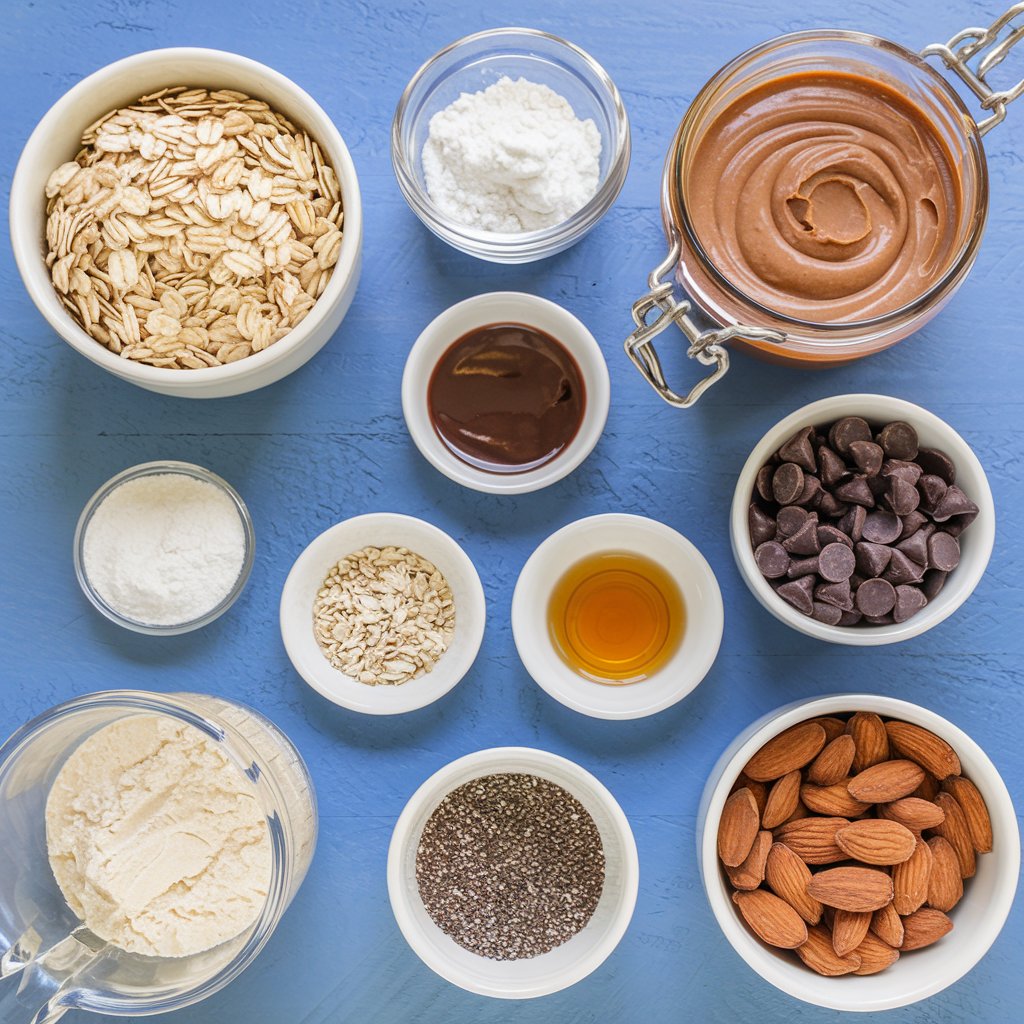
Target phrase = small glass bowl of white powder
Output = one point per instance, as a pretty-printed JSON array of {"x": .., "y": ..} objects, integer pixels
[
  {"x": 164, "y": 547},
  {"x": 510, "y": 144}
]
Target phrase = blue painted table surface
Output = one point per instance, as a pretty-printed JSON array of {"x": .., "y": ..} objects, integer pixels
[{"x": 329, "y": 442}]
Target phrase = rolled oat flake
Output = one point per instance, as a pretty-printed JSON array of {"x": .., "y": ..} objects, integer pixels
[{"x": 510, "y": 866}]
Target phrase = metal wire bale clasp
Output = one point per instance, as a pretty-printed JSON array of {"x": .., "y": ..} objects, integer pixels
[
  {"x": 967, "y": 44},
  {"x": 705, "y": 346}
]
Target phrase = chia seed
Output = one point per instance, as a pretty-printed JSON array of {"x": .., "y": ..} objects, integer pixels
[{"x": 510, "y": 866}]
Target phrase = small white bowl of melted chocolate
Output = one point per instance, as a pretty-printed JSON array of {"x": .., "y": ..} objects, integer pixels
[{"x": 505, "y": 392}]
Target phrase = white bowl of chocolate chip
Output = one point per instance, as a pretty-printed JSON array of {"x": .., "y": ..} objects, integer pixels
[{"x": 862, "y": 519}]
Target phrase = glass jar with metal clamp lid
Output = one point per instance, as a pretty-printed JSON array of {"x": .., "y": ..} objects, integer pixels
[{"x": 823, "y": 197}]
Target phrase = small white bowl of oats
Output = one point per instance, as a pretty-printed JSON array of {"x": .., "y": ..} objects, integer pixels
[
  {"x": 383, "y": 613},
  {"x": 189, "y": 220}
]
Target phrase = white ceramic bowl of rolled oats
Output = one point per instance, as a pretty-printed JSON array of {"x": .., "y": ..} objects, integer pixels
[
  {"x": 189, "y": 220},
  {"x": 383, "y": 613}
]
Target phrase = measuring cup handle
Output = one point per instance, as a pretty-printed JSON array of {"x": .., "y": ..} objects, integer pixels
[
  {"x": 42, "y": 989},
  {"x": 707, "y": 346},
  {"x": 993, "y": 46}
]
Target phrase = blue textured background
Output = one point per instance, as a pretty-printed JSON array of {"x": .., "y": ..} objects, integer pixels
[{"x": 329, "y": 442}]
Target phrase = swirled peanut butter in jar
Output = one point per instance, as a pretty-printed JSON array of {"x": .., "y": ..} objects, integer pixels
[{"x": 825, "y": 196}]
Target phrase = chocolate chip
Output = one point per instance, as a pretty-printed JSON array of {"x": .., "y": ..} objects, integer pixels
[
  {"x": 915, "y": 547},
  {"x": 898, "y": 440},
  {"x": 812, "y": 493},
  {"x": 772, "y": 559},
  {"x": 909, "y": 471},
  {"x": 831, "y": 507},
  {"x": 903, "y": 569},
  {"x": 827, "y": 613},
  {"x": 805, "y": 540},
  {"x": 881, "y": 527},
  {"x": 932, "y": 460},
  {"x": 879, "y": 620},
  {"x": 943, "y": 551},
  {"x": 850, "y": 618},
  {"x": 852, "y": 524},
  {"x": 760, "y": 524},
  {"x": 956, "y": 525},
  {"x": 802, "y": 567},
  {"x": 902, "y": 496},
  {"x": 875, "y": 597},
  {"x": 932, "y": 489},
  {"x": 868, "y": 457},
  {"x": 832, "y": 535},
  {"x": 763, "y": 483},
  {"x": 856, "y": 491},
  {"x": 934, "y": 581},
  {"x": 954, "y": 503},
  {"x": 872, "y": 559},
  {"x": 847, "y": 430},
  {"x": 799, "y": 593},
  {"x": 833, "y": 469},
  {"x": 879, "y": 485},
  {"x": 798, "y": 449},
  {"x": 838, "y": 594},
  {"x": 912, "y": 523},
  {"x": 790, "y": 519},
  {"x": 788, "y": 483},
  {"x": 909, "y": 601},
  {"x": 836, "y": 562}
]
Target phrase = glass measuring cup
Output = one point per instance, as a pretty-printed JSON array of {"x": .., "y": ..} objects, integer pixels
[
  {"x": 741, "y": 319},
  {"x": 49, "y": 961}
]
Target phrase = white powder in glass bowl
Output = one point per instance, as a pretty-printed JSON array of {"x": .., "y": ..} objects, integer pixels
[
  {"x": 513, "y": 157},
  {"x": 164, "y": 549}
]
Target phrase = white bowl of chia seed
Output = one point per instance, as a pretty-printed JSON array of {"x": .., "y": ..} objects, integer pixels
[{"x": 555, "y": 893}]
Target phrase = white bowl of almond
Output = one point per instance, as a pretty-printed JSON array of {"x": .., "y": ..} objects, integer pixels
[
  {"x": 189, "y": 220},
  {"x": 859, "y": 852}
]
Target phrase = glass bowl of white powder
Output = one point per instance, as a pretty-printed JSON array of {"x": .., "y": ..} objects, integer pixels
[
  {"x": 510, "y": 144},
  {"x": 164, "y": 547}
]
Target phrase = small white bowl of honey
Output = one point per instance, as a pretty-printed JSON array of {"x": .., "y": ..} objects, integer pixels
[{"x": 617, "y": 616}]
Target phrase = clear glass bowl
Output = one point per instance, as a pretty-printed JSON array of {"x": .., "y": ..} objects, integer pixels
[
  {"x": 154, "y": 469},
  {"x": 49, "y": 964},
  {"x": 475, "y": 62}
]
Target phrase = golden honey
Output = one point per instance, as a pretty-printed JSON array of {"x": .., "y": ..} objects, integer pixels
[{"x": 616, "y": 617}]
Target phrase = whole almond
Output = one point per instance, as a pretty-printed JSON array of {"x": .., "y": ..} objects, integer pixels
[
  {"x": 972, "y": 803},
  {"x": 771, "y": 919},
  {"x": 787, "y": 876},
  {"x": 833, "y": 726},
  {"x": 834, "y": 801},
  {"x": 922, "y": 746},
  {"x": 737, "y": 828},
  {"x": 750, "y": 874},
  {"x": 924, "y": 927},
  {"x": 945, "y": 886},
  {"x": 910, "y": 880},
  {"x": 913, "y": 813},
  {"x": 848, "y": 930},
  {"x": 813, "y": 840},
  {"x": 800, "y": 812},
  {"x": 759, "y": 790},
  {"x": 783, "y": 798},
  {"x": 877, "y": 841},
  {"x": 846, "y": 888},
  {"x": 875, "y": 955},
  {"x": 818, "y": 954},
  {"x": 832, "y": 765},
  {"x": 870, "y": 739},
  {"x": 885, "y": 782},
  {"x": 788, "y": 751},
  {"x": 954, "y": 829},
  {"x": 888, "y": 925}
]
